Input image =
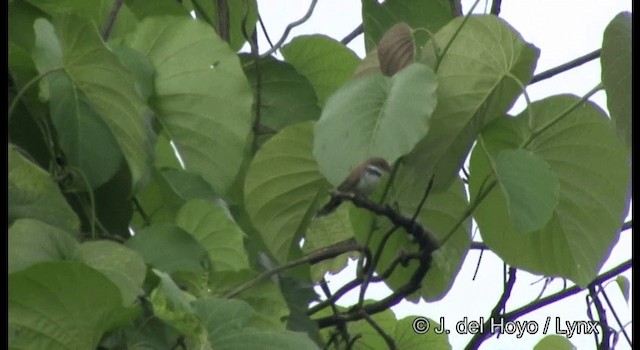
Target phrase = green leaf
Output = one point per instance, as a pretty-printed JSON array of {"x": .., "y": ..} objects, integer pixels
[
  {"x": 201, "y": 98},
  {"x": 374, "y": 116},
  {"x": 616, "y": 72},
  {"x": 24, "y": 124},
  {"x": 142, "y": 9},
  {"x": 22, "y": 16},
  {"x": 158, "y": 201},
  {"x": 378, "y": 17},
  {"x": 475, "y": 85},
  {"x": 140, "y": 66},
  {"x": 529, "y": 186},
  {"x": 113, "y": 204},
  {"x": 60, "y": 305},
  {"x": 325, "y": 62},
  {"x": 123, "y": 266},
  {"x": 170, "y": 249},
  {"x": 401, "y": 331},
  {"x": 592, "y": 168},
  {"x": 286, "y": 97},
  {"x": 32, "y": 241},
  {"x": 237, "y": 10},
  {"x": 172, "y": 305},
  {"x": 96, "y": 11},
  {"x": 213, "y": 227},
  {"x": 324, "y": 232},
  {"x": 281, "y": 187},
  {"x": 188, "y": 185},
  {"x": 85, "y": 139},
  {"x": 554, "y": 342},
  {"x": 227, "y": 325},
  {"x": 166, "y": 157},
  {"x": 623, "y": 284},
  {"x": 34, "y": 194},
  {"x": 101, "y": 87}
]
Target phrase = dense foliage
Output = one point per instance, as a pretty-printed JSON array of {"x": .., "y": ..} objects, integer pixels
[{"x": 163, "y": 186}]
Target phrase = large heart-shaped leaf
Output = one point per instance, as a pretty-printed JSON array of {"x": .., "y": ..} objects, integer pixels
[
  {"x": 475, "y": 85},
  {"x": 60, "y": 305},
  {"x": 324, "y": 61},
  {"x": 374, "y": 116},
  {"x": 282, "y": 186},
  {"x": 592, "y": 169},
  {"x": 202, "y": 97},
  {"x": 89, "y": 89},
  {"x": 212, "y": 226},
  {"x": 32, "y": 241},
  {"x": 33, "y": 194}
]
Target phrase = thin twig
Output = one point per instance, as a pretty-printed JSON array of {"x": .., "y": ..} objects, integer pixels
[
  {"x": 565, "y": 67},
  {"x": 264, "y": 31},
  {"x": 342, "y": 328},
  {"x": 602, "y": 319},
  {"x": 615, "y": 315},
  {"x": 311, "y": 258},
  {"x": 354, "y": 34},
  {"x": 510, "y": 316},
  {"x": 495, "y": 316},
  {"x": 289, "y": 28},
  {"x": 387, "y": 339},
  {"x": 111, "y": 19},
  {"x": 419, "y": 233},
  {"x": 368, "y": 273},
  {"x": 222, "y": 24}
]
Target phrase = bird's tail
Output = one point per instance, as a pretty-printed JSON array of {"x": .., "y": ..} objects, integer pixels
[{"x": 329, "y": 207}]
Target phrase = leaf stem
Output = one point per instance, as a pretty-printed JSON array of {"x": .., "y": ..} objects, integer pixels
[
  {"x": 455, "y": 35},
  {"x": 561, "y": 116},
  {"x": 26, "y": 87}
]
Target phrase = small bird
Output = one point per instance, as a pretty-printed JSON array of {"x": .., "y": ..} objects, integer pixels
[{"x": 361, "y": 182}]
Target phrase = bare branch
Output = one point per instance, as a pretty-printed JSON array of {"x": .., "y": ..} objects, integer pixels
[
  {"x": 565, "y": 67},
  {"x": 497, "y": 310},
  {"x": 424, "y": 237},
  {"x": 289, "y": 27},
  {"x": 602, "y": 319},
  {"x": 387, "y": 339},
  {"x": 615, "y": 315},
  {"x": 510, "y": 316},
  {"x": 354, "y": 34}
]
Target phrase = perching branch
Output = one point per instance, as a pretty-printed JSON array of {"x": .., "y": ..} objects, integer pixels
[
  {"x": 289, "y": 28},
  {"x": 420, "y": 234}
]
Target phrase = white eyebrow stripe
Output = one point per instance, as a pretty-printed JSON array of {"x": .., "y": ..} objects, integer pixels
[{"x": 374, "y": 169}]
